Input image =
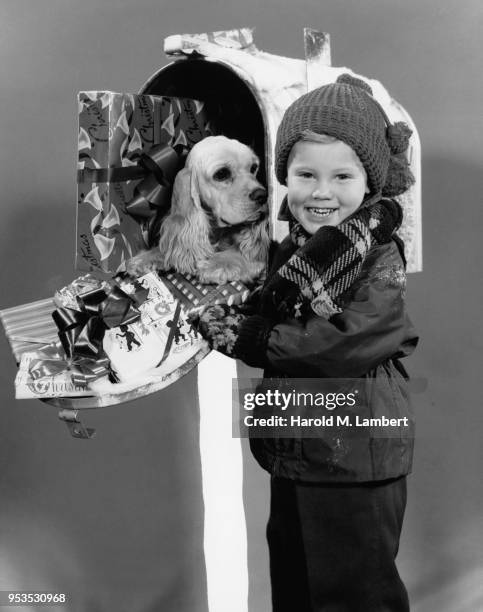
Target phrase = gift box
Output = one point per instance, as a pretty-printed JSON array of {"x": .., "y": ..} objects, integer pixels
[
  {"x": 130, "y": 149},
  {"x": 163, "y": 339},
  {"x": 33, "y": 338},
  {"x": 53, "y": 384},
  {"x": 60, "y": 349},
  {"x": 195, "y": 295}
]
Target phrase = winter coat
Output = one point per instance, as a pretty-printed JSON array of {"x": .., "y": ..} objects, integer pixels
[{"x": 364, "y": 341}]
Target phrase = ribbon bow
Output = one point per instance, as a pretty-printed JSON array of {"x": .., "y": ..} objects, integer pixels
[
  {"x": 82, "y": 329},
  {"x": 162, "y": 163},
  {"x": 53, "y": 360},
  {"x": 157, "y": 168}
]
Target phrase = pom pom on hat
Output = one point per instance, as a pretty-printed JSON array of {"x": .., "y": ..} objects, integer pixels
[
  {"x": 399, "y": 176},
  {"x": 397, "y": 136}
]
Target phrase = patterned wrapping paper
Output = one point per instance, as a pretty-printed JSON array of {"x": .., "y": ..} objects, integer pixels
[
  {"x": 194, "y": 294},
  {"x": 116, "y": 133},
  {"x": 60, "y": 385},
  {"x": 163, "y": 339}
]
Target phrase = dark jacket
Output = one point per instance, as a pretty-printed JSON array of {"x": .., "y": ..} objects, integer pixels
[{"x": 364, "y": 341}]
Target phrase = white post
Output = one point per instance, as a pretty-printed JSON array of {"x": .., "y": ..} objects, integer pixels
[{"x": 225, "y": 537}]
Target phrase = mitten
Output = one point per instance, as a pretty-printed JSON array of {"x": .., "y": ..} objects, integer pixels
[
  {"x": 219, "y": 325},
  {"x": 235, "y": 334}
]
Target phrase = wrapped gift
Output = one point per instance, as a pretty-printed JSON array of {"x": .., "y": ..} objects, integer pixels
[
  {"x": 130, "y": 149},
  {"x": 162, "y": 339},
  {"x": 196, "y": 295},
  {"x": 44, "y": 373},
  {"x": 74, "y": 358}
]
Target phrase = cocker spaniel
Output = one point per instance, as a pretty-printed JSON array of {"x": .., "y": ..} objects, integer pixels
[{"x": 217, "y": 225}]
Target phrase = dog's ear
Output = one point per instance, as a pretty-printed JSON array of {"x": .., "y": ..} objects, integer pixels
[
  {"x": 184, "y": 234},
  {"x": 254, "y": 241},
  {"x": 195, "y": 187}
]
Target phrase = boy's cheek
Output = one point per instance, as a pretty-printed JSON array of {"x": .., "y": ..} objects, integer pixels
[
  {"x": 297, "y": 192},
  {"x": 296, "y": 210},
  {"x": 291, "y": 207}
]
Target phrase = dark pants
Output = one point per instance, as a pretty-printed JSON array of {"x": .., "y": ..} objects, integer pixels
[{"x": 333, "y": 546}]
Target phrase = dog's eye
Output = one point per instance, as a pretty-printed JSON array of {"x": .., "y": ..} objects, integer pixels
[
  {"x": 254, "y": 168},
  {"x": 222, "y": 174}
]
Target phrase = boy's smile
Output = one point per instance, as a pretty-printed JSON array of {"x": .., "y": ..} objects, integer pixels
[{"x": 326, "y": 183}]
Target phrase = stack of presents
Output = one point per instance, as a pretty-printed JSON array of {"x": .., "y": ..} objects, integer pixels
[{"x": 109, "y": 335}]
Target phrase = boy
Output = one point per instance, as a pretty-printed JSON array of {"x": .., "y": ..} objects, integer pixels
[{"x": 333, "y": 306}]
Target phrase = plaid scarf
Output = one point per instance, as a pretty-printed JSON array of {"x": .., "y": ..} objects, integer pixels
[{"x": 327, "y": 263}]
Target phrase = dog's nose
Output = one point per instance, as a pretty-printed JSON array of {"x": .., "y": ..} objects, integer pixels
[{"x": 259, "y": 195}]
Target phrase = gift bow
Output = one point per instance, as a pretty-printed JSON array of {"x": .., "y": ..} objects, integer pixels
[
  {"x": 54, "y": 361},
  {"x": 81, "y": 330},
  {"x": 153, "y": 193},
  {"x": 157, "y": 167}
]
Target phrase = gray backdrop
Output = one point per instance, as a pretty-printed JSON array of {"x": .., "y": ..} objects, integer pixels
[{"x": 117, "y": 521}]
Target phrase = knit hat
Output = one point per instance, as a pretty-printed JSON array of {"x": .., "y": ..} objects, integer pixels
[{"x": 348, "y": 111}]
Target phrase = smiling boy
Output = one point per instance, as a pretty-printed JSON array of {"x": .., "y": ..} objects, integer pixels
[{"x": 333, "y": 307}]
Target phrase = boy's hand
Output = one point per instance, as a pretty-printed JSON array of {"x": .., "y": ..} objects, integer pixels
[
  {"x": 219, "y": 325},
  {"x": 235, "y": 333}
]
